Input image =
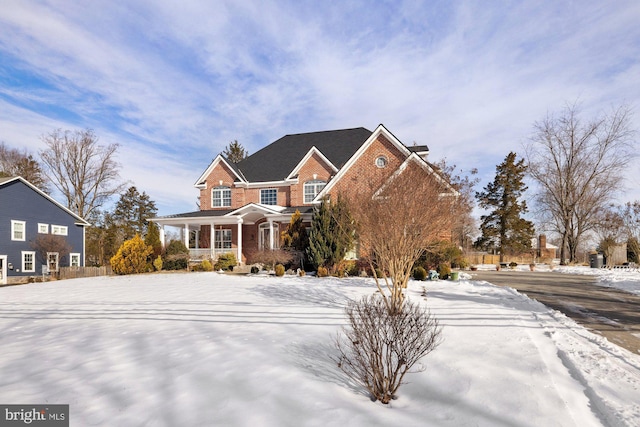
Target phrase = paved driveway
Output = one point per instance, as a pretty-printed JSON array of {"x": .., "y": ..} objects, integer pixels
[{"x": 610, "y": 312}]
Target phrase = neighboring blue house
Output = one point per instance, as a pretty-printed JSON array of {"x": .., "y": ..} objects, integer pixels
[{"x": 36, "y": 231}]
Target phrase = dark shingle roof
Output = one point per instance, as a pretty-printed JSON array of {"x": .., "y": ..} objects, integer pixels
[
  {"x": 276, "y": 161},
  {"x": 418, "y": 148}
]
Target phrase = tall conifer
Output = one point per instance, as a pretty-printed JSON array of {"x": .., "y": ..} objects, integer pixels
[{"x": 503, "y": 228}]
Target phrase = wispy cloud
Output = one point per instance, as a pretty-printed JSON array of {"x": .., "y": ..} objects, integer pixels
[{"x": 174, "y": 82}]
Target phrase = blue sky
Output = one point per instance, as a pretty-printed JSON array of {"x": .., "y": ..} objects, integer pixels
[{"x": 174, "y": 82}]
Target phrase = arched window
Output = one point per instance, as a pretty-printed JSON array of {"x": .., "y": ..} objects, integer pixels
[
  {"x": 220, "y": 197},
  {"x": 312, "y": 188}
]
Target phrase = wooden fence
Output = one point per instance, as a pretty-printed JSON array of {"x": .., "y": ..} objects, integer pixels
[{"x": 79, "y": 272}]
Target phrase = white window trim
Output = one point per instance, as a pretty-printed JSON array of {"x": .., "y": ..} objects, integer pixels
[
  {"x": 14, "y": 223},
  {"x": 71, "y": 258},
  {"x": 57, "y": 258},
  {"x": 33, "y": 261},
  {"x": 221, "y": 189},
  {"x": 269, "y": 189},
  {"x": 43, "y": 228},
  {"x": 315, "y": 183},
  {"x": 221, "y": 241},
  {"x": 59, "y": 230},
  {"x": 383, "y": 161}
]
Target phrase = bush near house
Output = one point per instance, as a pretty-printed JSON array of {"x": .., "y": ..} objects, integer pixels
[
  {"x": 226, "y": 262},
  {"x": 279, "y": 269},
  {"x": 444, "y": 270},
  {"x": 176, "y": 256},
  {"x": 419, "y": 273},
  {"x": 132, "y": 257}
]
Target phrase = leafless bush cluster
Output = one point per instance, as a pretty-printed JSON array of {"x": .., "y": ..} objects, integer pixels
[
  {"x": 271, "y": 257},
  {"x": 380, "y": 347}
]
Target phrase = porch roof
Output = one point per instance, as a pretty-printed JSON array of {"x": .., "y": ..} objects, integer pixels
[{"x": 247, "y": 214}]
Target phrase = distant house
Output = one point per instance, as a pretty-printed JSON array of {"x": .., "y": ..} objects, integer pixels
[
  {"x": 543, "y": 249},
  {"x": 245, "y": 206},
  {"x": 36, "y": 232}
]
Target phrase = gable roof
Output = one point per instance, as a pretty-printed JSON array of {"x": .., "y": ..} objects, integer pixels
[
  {"x": 276, "y": 161},
  {"x": 4, "y": 181},
  {"x": 200, "y": 182}
]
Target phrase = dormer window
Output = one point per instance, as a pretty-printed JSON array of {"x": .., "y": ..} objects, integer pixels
[
  {"x": 312, "y": 188},
  {"x": 221, "y": 197}
]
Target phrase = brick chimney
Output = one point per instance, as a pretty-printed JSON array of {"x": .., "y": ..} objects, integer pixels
[{"x": 542, "y": 244}]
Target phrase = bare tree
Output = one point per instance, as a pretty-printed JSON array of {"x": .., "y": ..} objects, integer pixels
[
  {"x": 85, "y": 172},
  {"x": 609, "y": 228},
  {"x": 464, "y": 224},
  {"x": 398, "y": 220},
  {"x": 579, "y": 168},
  {"x": 630, "y": 213},
  {"x": 14, "y": 162},
  {"x": 46, "y": 243}
]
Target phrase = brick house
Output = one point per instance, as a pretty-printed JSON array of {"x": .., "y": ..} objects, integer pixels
[{"x": 245, "y": 206}]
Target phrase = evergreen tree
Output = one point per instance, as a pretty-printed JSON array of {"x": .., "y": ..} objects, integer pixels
[
  {"x": 153, "y": 239},
  {"x": 332, "y": 234},
  {"x": 503, "y": 228},
  {"x": 235, "y": 152},
  {"x": 295, "y": 236},
  {"x": 131, "y": 212},
  {"x": 295, "y": 239},
  {"x": 103, "y": 238}
]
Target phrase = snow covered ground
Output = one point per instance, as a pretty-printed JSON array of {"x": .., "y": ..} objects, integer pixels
[{"x": 209, "y": 349}]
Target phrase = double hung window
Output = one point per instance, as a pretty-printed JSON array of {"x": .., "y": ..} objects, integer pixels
[
  {"x": 18, "y": 230},
  {"x": 312, "y": 188},
  {"x": 220, "y": 197}
]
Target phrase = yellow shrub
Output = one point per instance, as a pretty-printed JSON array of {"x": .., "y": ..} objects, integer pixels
[{"x": 131, "y": 257}]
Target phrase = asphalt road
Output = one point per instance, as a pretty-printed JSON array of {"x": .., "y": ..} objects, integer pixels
[{"x": 610, "y": 312}]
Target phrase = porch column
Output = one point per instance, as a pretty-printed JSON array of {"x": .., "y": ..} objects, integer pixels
[
  {"x": 162, "y": 242},
  {"x": 186, "y": 235},
  {"x": 212, "y": 239},
  {"x": 239, "y": 257},
  {"x": 270, "y": 233}
]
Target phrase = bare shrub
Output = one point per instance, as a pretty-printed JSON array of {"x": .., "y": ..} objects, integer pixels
[
  {"x": 381, "y": 346},
  {"x": 270, "y": 257}
]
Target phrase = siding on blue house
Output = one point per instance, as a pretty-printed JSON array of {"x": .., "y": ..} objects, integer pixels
[{"x": 21, "y": 201}]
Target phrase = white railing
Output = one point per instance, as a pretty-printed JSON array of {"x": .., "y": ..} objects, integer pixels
[
  {"x": 208, "y": 253},
  {"x": 199, "y": 254}
]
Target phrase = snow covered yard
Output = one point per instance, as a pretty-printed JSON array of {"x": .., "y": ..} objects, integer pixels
[{"x": 211, "y": 349}]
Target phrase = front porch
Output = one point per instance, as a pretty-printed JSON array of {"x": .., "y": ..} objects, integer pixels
[{"x": 208, "y": 234}]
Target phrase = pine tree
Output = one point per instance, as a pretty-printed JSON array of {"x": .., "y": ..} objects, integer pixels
[
  {"x": 131, "y": 212},
  {"x": 153, "y": 239},
  {"x": 332, "y": 234},
  {"x": 503, "y": 228},
  {"x": 235, "y": 152}
]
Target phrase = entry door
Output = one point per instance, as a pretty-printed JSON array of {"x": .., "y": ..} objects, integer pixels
[
  {"x": 3, "y": 269},
  {"x": 52, "y": 261},
  {"x": 264, "y": 236}
]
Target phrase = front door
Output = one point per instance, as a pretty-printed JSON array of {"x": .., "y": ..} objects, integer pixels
[
  {"x": 266, "y": 241},
  {"x": 52, "y": 262},
  {"x": 3, "y": 269}
]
